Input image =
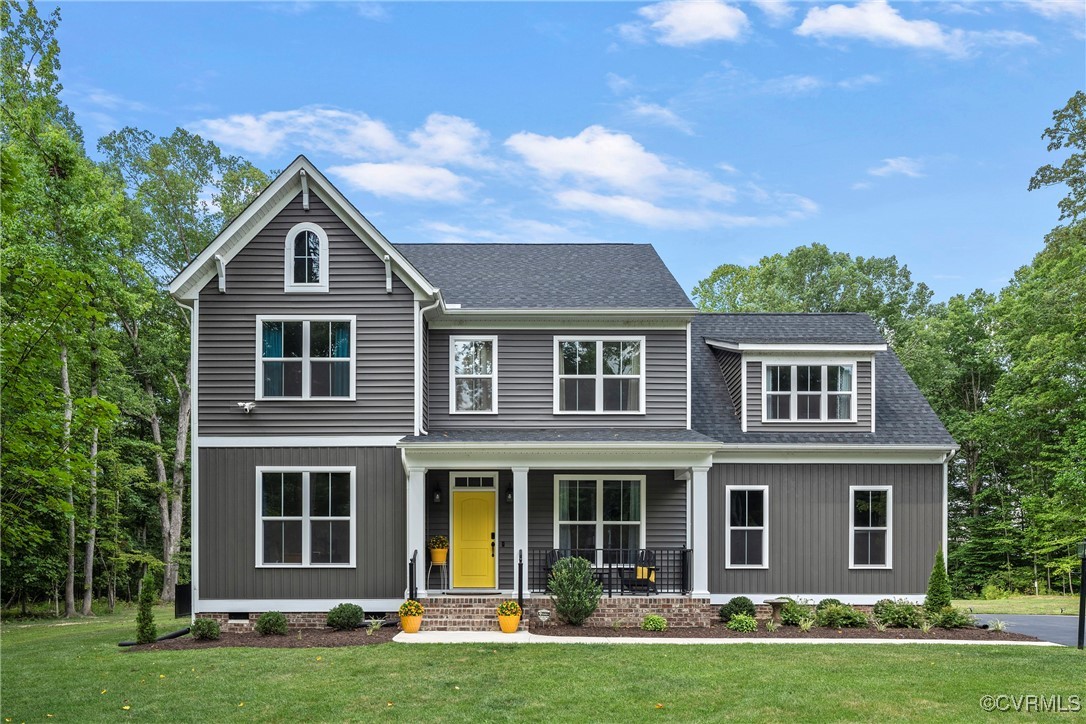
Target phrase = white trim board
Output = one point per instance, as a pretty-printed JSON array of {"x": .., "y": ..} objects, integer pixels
[
  {"x": 300, "y": 441},
  {"x": 852, "y": 599},
  {"x": 791, "y": 347},
  {"x": 293, "y": 605}
]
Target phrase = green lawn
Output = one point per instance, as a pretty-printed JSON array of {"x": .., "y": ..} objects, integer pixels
[
  {"x": 75, "y": 672},
  {"x": 1055, "y": 605}
]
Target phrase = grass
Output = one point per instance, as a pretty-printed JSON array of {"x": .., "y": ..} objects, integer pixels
[
  {"x": 1053, "y": 605},
  {"x": 75, "y": 672}
]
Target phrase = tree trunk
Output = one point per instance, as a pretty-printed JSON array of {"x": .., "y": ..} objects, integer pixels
[
  {"x": 69, "y": 579},
  {"x": 177, "y": 500},
  {"x": 92, "y": 514}
]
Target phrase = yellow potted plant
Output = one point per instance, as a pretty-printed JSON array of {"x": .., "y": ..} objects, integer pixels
[
  {"x": 410, "y": 616},
  {"x": 509, "y": 616},
  {"x": 439, "y": 549}
]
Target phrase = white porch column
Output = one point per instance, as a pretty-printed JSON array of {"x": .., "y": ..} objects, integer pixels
[
  {"x": 416, "y": 524},
  {"x": 520, "y": 520},
  {"x": 699, "y": 531}
]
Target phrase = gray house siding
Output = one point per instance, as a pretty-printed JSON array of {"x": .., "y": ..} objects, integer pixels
[
  {"x": 526, "y": 381},
  {"x": 754, "y": 405},
  {"x": 731, "y": 366},
  {"x": 227, "y": 526},
  {"x": 384, "y": 342},
  {"x": 809, "y": 528}
]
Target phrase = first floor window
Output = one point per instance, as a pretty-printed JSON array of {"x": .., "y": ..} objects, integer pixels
[
  {"x": 306, "y": 359},
  {"x": 306, "y": 517},
  {"x": 870, "y": 527},
  {"x": 474, "y": 371},
  {"x": 747, "y": 516},
  {"x": 601, "y": 519}
]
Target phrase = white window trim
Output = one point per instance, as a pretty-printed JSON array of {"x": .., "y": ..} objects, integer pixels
[
  {"x": 598, "y": 479},
  {"x": 305, "y": 470},
  {"x": 824, "y": 394},
  {"x": 852, "y": 490},
  {"x": 728, "y": 525},
  {"x": 493, "y": 376},
  {"x": 289, "y": 285},
  {"x": 599, "y": 376},
  {"x": 305, "y": 358}
]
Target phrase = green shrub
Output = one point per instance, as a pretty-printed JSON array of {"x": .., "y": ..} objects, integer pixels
[
  {"x": 897, "y": 614},
  {"x": 271, "y": 622},
  {"x": 652, "y": 622},
  {"x": 992, "y": 592},
  {"x": 938, "y": 596},
  {"x": 806, "y": 624},
  {"x": 838, "y": 615},
  {"x": 743, "y": 623},
  {"x": 793, "y": 612},
  {"x": 346, "y": 617},
  {"x": 739, "y": 604},
  {"x": 206, "y": 629},
  {"x": 827, "y": 602},
  {"x": 146, "y": 631},
  {"x": 951, "y": 617},
  {"x": 574, "y": 590}
]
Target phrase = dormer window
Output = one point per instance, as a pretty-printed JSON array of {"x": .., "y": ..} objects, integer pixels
[
  {"x": 809, "y": 392},
  {"x": 306, "y": 259}
]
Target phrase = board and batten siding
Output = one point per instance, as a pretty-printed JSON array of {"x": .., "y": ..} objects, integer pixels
[
  {"x": 809, "y": 528},
  {"x": 228, "y": 555},
  {"x": 526, "y": 381},
  {"x": 384, "y": 340},
  {"x": 754, "y": 404}
]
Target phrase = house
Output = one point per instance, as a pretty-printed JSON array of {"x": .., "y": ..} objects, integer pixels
[{"x": 353, "y": 397}]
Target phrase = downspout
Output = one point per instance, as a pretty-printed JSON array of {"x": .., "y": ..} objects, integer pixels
[
  {"x": 946, "y": 508},
  {"x": 418, "y": 358}
]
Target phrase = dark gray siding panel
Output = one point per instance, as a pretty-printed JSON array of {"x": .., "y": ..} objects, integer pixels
[
  {"x": 228, "y": 526},
  {"x": 437, "y": 521},
  {"x": 732, "y": 368},
  {"x": 526, "y": 381},
  {"x": 384, "y": 340},
  {"x": 863, "y": 405},
  {"x": 809, "y": 528}
]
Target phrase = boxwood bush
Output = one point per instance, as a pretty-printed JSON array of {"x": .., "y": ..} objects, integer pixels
[
  {"x": 346, "y": 617},
  {"x": 739, "y": 604},
  {"x": 951, "y": 617},
  {"x": 574, "y": 590},
  {"x": 793, "y": 612},
  {"x": 271, "y": 622},
  {"x": 206, "y": 629},
  {"x": 838, "y": 615},
  {"x": 897, "y": 614},
  {"x": 827, "y": 602}
]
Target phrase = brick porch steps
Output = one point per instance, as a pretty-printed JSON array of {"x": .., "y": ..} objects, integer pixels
[{"x": 463, "y": 613}]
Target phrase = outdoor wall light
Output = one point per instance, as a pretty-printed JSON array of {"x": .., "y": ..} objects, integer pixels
[
  {"x": 509, "y": 494},
  {"x": 437, "y": 495}
]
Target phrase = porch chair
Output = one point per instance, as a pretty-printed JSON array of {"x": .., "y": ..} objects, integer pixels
[{"x": 642, "y": 577}]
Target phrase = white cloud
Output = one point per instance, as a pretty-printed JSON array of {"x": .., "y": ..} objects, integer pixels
[
  {"x": 502, "y": 228},
  {"x": 777, "y": 11},
  {"x": 859, "y": 81},
  {"x": 683, "y": 23},
  {"x": 371, "y": 11},
  {"x": 727, "y": 168},
  {"x": 1057, "y": 9},
  {"x": 404, "y": 180},
  {"x": 641, "y": 211},
  {"x": 659, "y": 115},
  {"x": 792, "y": 85},
  {"x": 350, "y": 134},
  {"x": 899, "y": 166},
  {"x": 619, "y": 85},
  {"x": 450, "y": 139},
  {"x": 861, "y": 186},
  {"x": 877, "y": 22}
]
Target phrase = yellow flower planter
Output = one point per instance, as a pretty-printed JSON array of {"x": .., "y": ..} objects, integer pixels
[
  {"x": 438, "y": 556},
  {"x": 509, "y": 624},
  {"x": 410, "y": 624}
]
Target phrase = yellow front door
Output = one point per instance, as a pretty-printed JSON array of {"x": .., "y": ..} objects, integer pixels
[{"x": 473, "y": 539}]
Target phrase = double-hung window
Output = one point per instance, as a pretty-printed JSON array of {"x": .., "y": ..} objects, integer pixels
[
  {"x": 601, "y": 519},
  {"x": 305, "y": 517},
  {"x": 808, "y": 392},
  {"x": 599, "y": 375},
  {"x": 870, "y": 526},
  {"x": 305, "y": 261},
  {"x": 473, "y": 374},
  {"x": 747, "y": 534},
  {"x": 306, "y": 359}
]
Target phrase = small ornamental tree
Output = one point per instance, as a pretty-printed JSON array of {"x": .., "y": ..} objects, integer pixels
[
  {"x": 146, "y": 631},
  {"x": 938, "y": 596},
  {"x": 574, "y": 590}
]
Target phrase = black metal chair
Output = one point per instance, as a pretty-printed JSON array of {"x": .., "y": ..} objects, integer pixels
[{"x": 642, "y": 577}]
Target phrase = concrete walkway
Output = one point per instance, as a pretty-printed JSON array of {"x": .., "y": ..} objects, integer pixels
[
  {"x": 524, "y": 637},
  {"x": 1061, "y": 630}
]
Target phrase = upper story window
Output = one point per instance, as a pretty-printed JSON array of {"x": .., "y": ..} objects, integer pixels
[
  {"x": 602, "y": 375},
  {"x": 870, "y": 526},
  {"x": 306, "y": 259},
  {"x": 305, "y": 517},
  {"x": 473, "y": 374},
  {"x": 305, "y": 358},
  {"x": 809, "y": 392}
]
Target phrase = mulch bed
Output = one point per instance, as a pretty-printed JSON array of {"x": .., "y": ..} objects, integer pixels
[
  {"x": 302, "y": 638},
  {"x": 718, "y": 630}
]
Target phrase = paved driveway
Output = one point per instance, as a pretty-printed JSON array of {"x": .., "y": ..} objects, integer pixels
[{"x": 1057, "y": 629}]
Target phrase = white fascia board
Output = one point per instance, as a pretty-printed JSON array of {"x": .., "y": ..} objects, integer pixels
[
  {"x": 883, "y": 454},
  {"x": 789, "y": 347},
  {"x": 299, "y": 441},
  {"x": 557, "y": 458},
  {"x": 271, "y": 201},
  {"x": 294, "y": 605}
]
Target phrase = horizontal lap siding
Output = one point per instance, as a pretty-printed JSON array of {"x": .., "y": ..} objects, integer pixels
[
  {"x": 809, "y": 528},
  {"x": 732, "y": 368},
  {"x": 227, "y": 499},
  {"x": 863, "y": 405},
  {"x": 384, "y": 340},
  {"x": 526, "y": 381}
]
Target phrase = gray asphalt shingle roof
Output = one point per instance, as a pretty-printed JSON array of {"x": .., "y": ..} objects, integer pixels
[
  {"x": 548, "y": 276},
  {"x": 903, "y": 415},
  {"x": 582, "y": 435}
]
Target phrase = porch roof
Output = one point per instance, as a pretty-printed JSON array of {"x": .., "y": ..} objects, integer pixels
[{"x": 561, "y": 437}]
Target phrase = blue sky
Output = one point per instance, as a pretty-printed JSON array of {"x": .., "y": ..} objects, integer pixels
[{"x": 717, "y": 132}]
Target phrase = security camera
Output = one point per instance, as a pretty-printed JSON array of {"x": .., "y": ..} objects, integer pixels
[{"x": 247, "y": 406}]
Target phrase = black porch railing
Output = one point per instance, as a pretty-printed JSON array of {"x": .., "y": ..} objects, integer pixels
[{"x": 644, "y": 571}]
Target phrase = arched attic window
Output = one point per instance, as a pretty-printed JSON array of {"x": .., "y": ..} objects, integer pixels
[{"x": 305, "y": 262}]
